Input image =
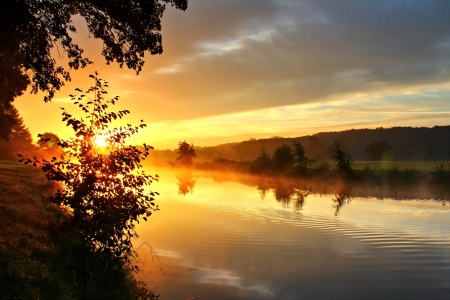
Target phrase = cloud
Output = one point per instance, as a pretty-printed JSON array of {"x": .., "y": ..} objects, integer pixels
[
  {"x": 247, "y": 55},
  {"x": 271, "y": 67}
]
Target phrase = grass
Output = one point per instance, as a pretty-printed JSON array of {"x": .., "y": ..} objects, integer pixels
[
  {"x": 377, "y": 172},
  {"x": 41, "y": 257},
  {"x": 427, "y": 166}
]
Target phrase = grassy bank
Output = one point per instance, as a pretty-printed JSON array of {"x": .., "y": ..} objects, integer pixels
[
  {"x": 41, "y": 257},
  {"x": 377, "y": 172}
]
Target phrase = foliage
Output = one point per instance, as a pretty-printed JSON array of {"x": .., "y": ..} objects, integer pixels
[
  {"x": 42, "y": 257},
  {"x": 31, "y": 29},
  {"x": 49, "y": 145},
  {"x": 404, "y": 140},
  {"x": 6, "y": 120},
  {"x": 262, "y": 163},
  {"x": 283, "y": 157},
  {"x": 301, "y": 160},
  {"x": 185, "y": 153},
  {"x": 379, "y": 150},
  {"x": 19, "y": 139},
  {"x": 104, "y": 191},
  {"x": 342, "y": 158}
]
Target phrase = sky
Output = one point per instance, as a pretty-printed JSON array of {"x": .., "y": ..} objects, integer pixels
[{"x": 234, "y": 70}]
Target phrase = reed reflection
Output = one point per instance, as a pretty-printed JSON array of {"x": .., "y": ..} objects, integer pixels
[
  {"x": 299, "y": 199},
  {"x": 287, "y": 193},
  {"x": 342, "y": 197},
  {"x": 186, "y": 183}
]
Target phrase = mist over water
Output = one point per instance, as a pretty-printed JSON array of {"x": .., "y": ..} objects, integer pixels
[{"x": 238, "y": 237}]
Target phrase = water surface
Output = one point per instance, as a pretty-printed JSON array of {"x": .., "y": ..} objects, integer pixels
[{"x": 256, "y": 239}]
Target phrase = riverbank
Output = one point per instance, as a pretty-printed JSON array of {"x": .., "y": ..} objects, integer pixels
[
  {"x": 367, "y": 172},
  {"x": 41, "y": 257}
]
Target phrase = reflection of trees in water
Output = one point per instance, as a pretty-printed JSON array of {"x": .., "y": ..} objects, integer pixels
[
  {"x": 300, "y": 196},
  {"x": 185, "y": 183},
  {"x": 263, "y": 187},
  {"x": 283, "y": 192},
  {"x": 341, "y": 197},
  {"x": 293, "y": 191},
  {"x": 286, "y": 193}
]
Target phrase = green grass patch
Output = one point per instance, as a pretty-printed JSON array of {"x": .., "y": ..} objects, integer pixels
[{"x": 426, "y": 166}]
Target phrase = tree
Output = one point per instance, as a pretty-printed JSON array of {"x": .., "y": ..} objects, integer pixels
[
  {"x": 19, "y": 139},
  {"x": 104, "y": 190},
  {"x": 379, "y": 150},
  {"x": 262, "y": 163},
  {"x": 342, "y": 158},
  {"x": 301, "y": 160},
  {"x": 31, "y": 29},
  {"x": 49, "y": 145},
  {"x": 283, "y": 157},
  {"x": 185, "y": 153}
]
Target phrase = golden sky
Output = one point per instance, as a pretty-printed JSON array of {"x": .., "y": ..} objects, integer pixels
[{"x": 233, "y": 70}]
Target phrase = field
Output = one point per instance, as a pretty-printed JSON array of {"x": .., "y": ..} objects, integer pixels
[{"x": 401, "y": 165}]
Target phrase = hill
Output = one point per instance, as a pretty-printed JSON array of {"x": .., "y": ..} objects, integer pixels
[{"x": 407, "y": 143}]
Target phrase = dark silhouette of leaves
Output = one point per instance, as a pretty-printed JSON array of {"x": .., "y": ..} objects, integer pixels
[
  {"x": 104, "y": 189},
  {"x": 185, "y": 153},
  {"x": 31, "y": 29}
]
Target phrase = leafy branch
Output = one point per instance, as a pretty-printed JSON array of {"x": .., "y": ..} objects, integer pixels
[{"x": 105, "y": 192}]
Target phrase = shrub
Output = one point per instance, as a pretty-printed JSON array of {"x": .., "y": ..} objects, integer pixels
[
  {"x": 342, "y": 158},
  {"x": 103, "y": 189}
]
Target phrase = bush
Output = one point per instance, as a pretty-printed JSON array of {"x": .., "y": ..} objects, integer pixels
[
  {"x": 102, "y": 187},
  {"x": 342, "y": 158}
]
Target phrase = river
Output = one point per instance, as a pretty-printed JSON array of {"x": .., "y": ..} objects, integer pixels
[{"x": 247, "y": 238}]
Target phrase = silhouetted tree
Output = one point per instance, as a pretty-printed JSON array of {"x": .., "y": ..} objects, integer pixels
[
  {"x": 301, "y": 160},
  {"x": 49, "y": 145},
  {"x": 19, "y": 141},
  {"x": 262, "y": 163},
  {"x": 283, "y": 158},
  {"x": 103, "y": 190},
  {"x": 342, "y": 158},
  {"x": 6, "y": 119},
  {"x": 185, "y": 153},
  {"x": 379, "y": 150},
  {"x": 31, "y": 29}
]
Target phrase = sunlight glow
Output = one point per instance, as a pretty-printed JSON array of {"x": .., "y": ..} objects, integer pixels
[{"x": 100, "y": 141}]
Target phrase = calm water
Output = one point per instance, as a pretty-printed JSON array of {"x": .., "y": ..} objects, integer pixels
[{"x": 258, "y": 239}]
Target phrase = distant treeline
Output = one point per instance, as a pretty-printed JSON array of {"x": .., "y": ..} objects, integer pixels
[
  {"x": 19, "y": 140},
  {"x": 397, "y": 143}
]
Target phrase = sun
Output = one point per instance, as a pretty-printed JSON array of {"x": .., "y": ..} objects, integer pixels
[{"x": 100, "y": 141}]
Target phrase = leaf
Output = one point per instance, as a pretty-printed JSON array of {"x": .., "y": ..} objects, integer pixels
[{"x": 18, "y": 154}]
